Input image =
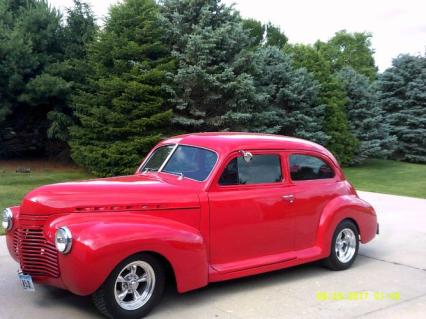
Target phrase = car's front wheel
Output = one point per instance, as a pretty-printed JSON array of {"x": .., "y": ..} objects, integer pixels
[
  {"x": 132, "y": 289},
  {"x": 344, "y": 246}
]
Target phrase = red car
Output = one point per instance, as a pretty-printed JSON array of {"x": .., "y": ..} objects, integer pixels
[{"x": 202, "y": 207}]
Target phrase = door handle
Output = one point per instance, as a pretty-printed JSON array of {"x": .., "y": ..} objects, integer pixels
[{"x": 289, "y": 198}]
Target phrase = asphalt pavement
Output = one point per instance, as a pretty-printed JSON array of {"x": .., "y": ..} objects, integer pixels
[{"x": 388, "y": 280}]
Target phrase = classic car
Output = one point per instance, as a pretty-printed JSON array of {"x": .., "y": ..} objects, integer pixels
[{"x": 201, "y": 208}]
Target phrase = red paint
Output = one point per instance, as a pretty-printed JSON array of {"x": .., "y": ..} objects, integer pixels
[{"x": 207, "y": 232}]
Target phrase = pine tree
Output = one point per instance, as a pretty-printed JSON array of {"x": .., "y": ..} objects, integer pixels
[
  {"x": 366, "y": 118},
  {"x": 287, "y": 98},
  {"x": 124, "y": 110},
  {"x": 274, "y": 36},
  {"x": 78, "y": 33},
  {"x": 212, "y": 90},
  {"x": 29, "y": 45},
  {"x": 265, "y": 34},
  {"x": 255, "y": 29},
  {"x": 402, "y": 95},
  {"x": 331, "y": 94}
]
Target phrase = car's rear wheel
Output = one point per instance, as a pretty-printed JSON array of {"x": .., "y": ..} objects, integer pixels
[
  {"x": 344, "y": 246},
  {"x": 132, "y": 289}
]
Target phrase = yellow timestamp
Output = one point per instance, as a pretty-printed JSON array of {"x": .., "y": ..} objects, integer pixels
[{"x": 357, "y": 295}]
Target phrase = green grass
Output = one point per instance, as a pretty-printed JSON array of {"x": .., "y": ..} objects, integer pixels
[
  {"x": 13, "y": 186},
  {"x": 379, "y": 176},
  {"x": 389, "y": 177}
]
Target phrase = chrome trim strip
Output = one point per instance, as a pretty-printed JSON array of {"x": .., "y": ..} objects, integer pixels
[{"x": 167, "y": 158}]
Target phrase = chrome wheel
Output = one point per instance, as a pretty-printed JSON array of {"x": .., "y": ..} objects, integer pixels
[
  {"x": 134, "y": 285},
  {"x": 345, "y": 245}
]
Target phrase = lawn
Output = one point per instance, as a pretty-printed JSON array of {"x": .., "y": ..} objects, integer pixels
[
  {"x": 389, "y": 177},
  {"x": 13, "y": 186},
  {"x": 379, "y": 176}
]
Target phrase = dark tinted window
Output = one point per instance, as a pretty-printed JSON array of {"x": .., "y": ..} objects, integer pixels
[
  {"x": 261, "y": 169},
  {"x": 192, "y": 162},
  {"x": 305, "y": 167}
]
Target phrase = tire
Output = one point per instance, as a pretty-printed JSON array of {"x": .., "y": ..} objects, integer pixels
[
  {"x": 344, "y": 246},
  {"x": 133, "y": 288}
]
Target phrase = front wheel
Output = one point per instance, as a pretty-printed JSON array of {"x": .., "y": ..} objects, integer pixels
[
  {"x": 344, "y": 246},
  {"x": 132, "y": 289}
]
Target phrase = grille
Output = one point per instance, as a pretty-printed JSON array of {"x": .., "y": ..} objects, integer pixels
[
  {"x": 15, "y": 243},
  {"x": 37, "y": 256}
]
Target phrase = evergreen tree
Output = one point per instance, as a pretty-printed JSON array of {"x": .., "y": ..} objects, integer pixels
[
  {"x": 402, "y": 95},
  {"x": 29, "y": 44},
  {"x": 255, "y": 29},
  {"x": 212, "y": 90},
  {"x": 265, "y": 34},
  {"x": 123, "y": 112},
  {"x": 331, "y": 94},
  {"x": 287, "y": 98},
  {"x": 366, "y": 118},
  {"x": 274, "y": 36},
  {"x": 79, "y": 31}
]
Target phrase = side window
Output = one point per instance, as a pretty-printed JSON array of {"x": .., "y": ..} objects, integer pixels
[
  {"x": 261, "y": 169},
  {"x": 305, "y": 167}
]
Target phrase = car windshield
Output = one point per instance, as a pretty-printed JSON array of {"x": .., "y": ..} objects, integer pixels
[
  {"x": 157, "y": 158},
  {"x": 188, "y": 161}
]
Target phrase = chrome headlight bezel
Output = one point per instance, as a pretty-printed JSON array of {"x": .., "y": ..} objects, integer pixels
[
  {"x": 63, "y": 240},
  {"x": 7, "y": 219}
]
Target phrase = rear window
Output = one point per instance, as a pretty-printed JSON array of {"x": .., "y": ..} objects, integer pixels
[
  {"x": 260, "y": 169},
  {"x": 306, "y": 167}
]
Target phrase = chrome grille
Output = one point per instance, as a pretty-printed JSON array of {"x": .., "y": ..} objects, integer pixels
[{"x": 37, "y": 256}]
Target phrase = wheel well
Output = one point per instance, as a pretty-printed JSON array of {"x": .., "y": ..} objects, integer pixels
[
  {"x": 356, "y": 225},
  {"x": 170, "y": 274}
]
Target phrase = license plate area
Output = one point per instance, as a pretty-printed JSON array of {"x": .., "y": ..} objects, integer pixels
[{"x": 26, "y": 282}]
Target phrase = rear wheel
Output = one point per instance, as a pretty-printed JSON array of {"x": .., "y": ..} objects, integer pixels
[
  {"x": 133, "y": 288},
  {"x": 344, "y": 246}
]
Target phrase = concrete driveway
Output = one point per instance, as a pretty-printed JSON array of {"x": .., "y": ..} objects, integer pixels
[{"x": 391, "y": 269}]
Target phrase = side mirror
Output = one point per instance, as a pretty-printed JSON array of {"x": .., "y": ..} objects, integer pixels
[{"x": 247, "y": 156}]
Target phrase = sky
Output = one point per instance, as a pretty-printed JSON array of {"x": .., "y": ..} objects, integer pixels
[{"x": 397, "y": 26}]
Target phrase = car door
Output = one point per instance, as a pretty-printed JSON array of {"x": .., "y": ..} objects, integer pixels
[
  {"x": 313, "y": 181},
  {"x": 250, "y": 220}
]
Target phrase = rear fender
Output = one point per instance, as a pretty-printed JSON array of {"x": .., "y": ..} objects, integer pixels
[
  {"x": 102, "y": 241},
  {"x": 346, "y": 207}
]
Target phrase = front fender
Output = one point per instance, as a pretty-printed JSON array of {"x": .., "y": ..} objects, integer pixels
[
  {"x": 102, "y": 241},
  {"x": 345, "y": 207}
]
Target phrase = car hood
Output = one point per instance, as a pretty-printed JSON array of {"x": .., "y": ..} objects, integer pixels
[{"x": 125, "y": 193}]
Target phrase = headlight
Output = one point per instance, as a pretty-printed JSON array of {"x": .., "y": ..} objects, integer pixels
[
  {"x": 63, "y": 240},
  {"x": 7, "y": 220}
]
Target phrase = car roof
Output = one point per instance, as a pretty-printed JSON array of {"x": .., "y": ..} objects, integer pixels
[{"x": 226, "y": 142}]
